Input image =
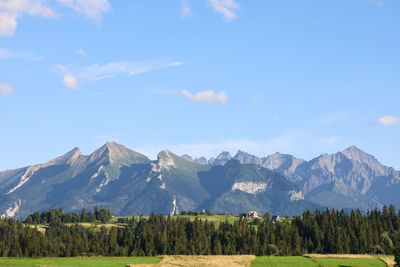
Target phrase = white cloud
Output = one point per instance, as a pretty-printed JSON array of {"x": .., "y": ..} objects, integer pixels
[
  {"x": 226, "y": 7},
  {"x": 69, "y": 79},
  {"x": 186, "y": 9},
  {"x": 207, "y": 97},
  {"x": 5, "y": 89},
  {"x": 32, "y": 7},
  {"x": 388, "y": 120},
  {"x": 81, "y": 52},
  {"x": 11, "y": 10},
  {"x": 92, "y": 9},
  {"x": 98, "y": 72},
  {"x": 8, "y": 24}
]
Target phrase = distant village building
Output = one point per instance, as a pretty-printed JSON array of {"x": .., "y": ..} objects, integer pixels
[
  {"x": 276, "y": 218},
  {"x": 252, "y": 214}
]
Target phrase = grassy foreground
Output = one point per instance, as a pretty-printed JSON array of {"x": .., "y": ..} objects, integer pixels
[
  {"x": 78, "y": 261},
  {"x": 210, "y": 261},
  {"x": 305, "y": 261}
]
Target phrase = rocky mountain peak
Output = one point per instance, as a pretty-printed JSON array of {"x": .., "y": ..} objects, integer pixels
[
  {"x": 224, "y": 155},
  {"x": 359, "y": 155},
  {"x": 201, "y": 160},
  {"x": 70, "y": 157},
  {"x": 187, "y": 157},
  {"x": 246, "y": 158},
  {"x": 165, "y": 159},
  {"x": 221, "y": 159},
  {"x": 285, "y": 161},
  {"x": 242, "y": 153},
  {"x": 102, "y": 153},
  {"x": 114, "y": 153}
]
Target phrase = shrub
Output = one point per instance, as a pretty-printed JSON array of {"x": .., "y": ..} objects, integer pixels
[{"x": 272, "y": 249}]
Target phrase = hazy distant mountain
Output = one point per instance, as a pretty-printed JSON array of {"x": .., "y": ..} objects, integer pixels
[
  {"x": 221, "y": 159},
  {"x": 129, "y": 183},
  {"x": 348, "y": 179}
]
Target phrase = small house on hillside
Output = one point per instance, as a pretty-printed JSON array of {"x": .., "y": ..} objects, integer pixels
[
  {"x": 252, "y": 214},
  {"x": 276, "y": 218}
]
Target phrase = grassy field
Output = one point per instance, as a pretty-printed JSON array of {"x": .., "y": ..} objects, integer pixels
[
  {"x": 78, "y": 261},
  {"x": 113, "y": 222},
  {"x": 210, "y": 261},
  {"x": 178, "y": 260},
  {"x": 306, "y": 261},
  {"x": 212, "y": 218}
]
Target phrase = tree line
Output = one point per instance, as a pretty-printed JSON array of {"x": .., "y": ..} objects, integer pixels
[
  {"x": 329, "y": 231},
  {"x": 55, "y": 216}
]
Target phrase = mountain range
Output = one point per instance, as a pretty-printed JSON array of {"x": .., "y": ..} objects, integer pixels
[{"x": 129, "y": 183}]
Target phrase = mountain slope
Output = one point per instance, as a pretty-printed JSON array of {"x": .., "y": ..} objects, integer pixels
[
  {"x": 128, "y": 183},
  {"x": 348, "y": 179},
  {"x": 68, "y": 180},
  {"x": 237, "y": 187}
]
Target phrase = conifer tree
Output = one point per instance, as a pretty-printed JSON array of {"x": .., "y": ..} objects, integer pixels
[{"x": 397, "y": 256}]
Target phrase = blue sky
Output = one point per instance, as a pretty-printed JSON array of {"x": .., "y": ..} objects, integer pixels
[{"x": 198, "y": 77}]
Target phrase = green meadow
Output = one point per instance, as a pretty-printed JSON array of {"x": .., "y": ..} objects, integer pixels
[
  {"x": 311, "y": 262},
  {"x": 78, "y": 261}
]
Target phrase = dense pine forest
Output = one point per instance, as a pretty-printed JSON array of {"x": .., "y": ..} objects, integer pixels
[{"x": 329, "y": 231}]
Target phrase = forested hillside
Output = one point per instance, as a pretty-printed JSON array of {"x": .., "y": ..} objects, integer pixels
[{"x": 329, "y": 231}]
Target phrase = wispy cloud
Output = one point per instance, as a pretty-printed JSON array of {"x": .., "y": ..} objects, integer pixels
[
  {"x": 332, "y": 118},
  {"x": 388, "y": 120},
  {"x": 79, "y": 75},
  {"x": 109, "y": 70},
  {"x": 207, "y": 97},
  {"x": 81, "y": 52},
  {"x": 91, "y": 9},
  {"x": 7, "y": 53},
  {"x": 379, "y": 3},
  {"x": 5, "y": 89},
  {"x": 69, "y": 79},
  {"x": 226, "y": 7},
  {"x": 186, "y": 9},
  {"x": 257, "y": 98}
]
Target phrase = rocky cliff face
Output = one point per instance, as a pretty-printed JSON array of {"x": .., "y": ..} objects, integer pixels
[
  {"x": 128, "y": 183},
  {"x": 348, "y": 179},
  {"x": 221, "y": 159}
]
